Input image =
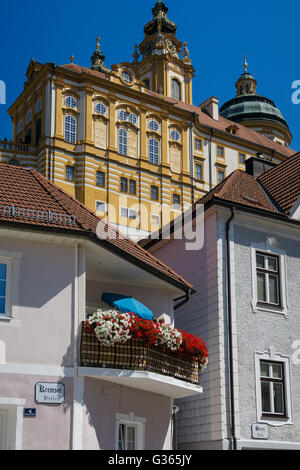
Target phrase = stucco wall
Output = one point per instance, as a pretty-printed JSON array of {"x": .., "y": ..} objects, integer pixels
[
  {"x": 42, "y": 327},
  {"x": 103, "y": 400},
  {"x": 261, "y": 330}
]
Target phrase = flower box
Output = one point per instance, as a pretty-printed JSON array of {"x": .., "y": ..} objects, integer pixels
[{"x": 135, "y": 354}]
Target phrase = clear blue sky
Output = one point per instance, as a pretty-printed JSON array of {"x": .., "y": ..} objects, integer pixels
[{"x": 218, "y": 32}]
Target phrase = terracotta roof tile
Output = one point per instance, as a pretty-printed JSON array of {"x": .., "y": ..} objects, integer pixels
[
  {"x": 28, "y": 189},
  {"x": 283, "y": 182}
]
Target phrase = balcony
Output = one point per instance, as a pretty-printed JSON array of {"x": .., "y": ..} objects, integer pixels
[
  {"x": 137, "y": 365},
  {"x": 15, "y": 149}
]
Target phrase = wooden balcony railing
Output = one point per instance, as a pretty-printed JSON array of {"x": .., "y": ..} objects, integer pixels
[{"x": 136, "y": 355}]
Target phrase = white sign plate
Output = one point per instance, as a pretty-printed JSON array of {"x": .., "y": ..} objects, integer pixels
[
  {"x": 46, "y": 392},
  {"x": 260, "y": 431}
]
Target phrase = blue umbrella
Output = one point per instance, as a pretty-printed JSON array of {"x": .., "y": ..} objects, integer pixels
[{"x": 127, "y": 304}]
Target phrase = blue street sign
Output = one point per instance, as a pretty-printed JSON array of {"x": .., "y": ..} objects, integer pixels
[{"x": 31, "y": 412}]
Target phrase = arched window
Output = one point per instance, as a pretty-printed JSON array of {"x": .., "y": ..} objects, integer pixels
[
  {"x": 176, "y": 89},
  {"x": 132, "y": 118},
  {"x": 247, "y": 88},
  {"x": 154, "y": 151},
  {"x": 70, "y": 129},
  {"x": 175, "y": 135},
  {"x": 38, "y": 130},
  {"x": 123, "y": 141}
]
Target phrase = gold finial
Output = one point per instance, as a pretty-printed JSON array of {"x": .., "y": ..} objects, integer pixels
[
  {"x": 245, "y": 64},
  {"x": 98, "y": 43},
  {"x": 72, "y": 58}
]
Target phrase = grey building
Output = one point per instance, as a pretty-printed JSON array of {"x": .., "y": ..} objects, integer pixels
[{"x": 247, "y": 309}]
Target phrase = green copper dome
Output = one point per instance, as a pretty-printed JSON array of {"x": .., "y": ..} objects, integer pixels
[{"x": 251, "y": 107}]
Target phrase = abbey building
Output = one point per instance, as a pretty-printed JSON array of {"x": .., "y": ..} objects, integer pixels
[{"x": 128, "y": 141}]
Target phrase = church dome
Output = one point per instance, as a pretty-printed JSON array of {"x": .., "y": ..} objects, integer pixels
[{"x": 255, "y": 111}]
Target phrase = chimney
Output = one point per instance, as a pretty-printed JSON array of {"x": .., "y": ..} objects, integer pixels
[
  {"x": 211, "y": 106},
  {"x": 256, "y": 166}
]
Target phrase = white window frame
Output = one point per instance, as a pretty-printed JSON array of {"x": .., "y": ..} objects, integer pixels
[
  {"x": 8, "y": 288},
  {"x": 270, "y": 250},
  {"x": 271, "y": 356},
  {"x": 98, "y": 210},
  {"x": 132, "y": 420},
  {"x": 13, "y": 276},
  {"x": 71, "y": 132},
  {"x": 129, "y": 212}
]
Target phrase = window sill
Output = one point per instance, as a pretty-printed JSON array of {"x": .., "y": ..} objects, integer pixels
[
  {"x": 258, "y": 307},
  {"x": 4, "y": 317},
  {"x": 275, "y": 420}
]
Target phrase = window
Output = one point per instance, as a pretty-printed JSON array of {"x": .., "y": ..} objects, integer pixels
[
  {"x": 100, "y": 206},
  {"x": 198, "y": 144},
  {"x": 130, "y": 432},
  {"x": 38, "y": 106},
  {"x": 132, "y": 187},
  {"x": 38, "y": 131},
  {"x": 70, "y": 173},
  {"x": 147, "y": 83},
  {"x": 220, "y": 175},
  {"x": 20, "y": 126},
  {"x": 123, "y": 115},
  {"x": 199, "y": 172},
  {"x": 154, "y": 193},
  {"x": 123, "y": 142},
  {"x": 70, "y": 129},
  {"x": 220, "y": 151},
  {"x": 100, "y": 178},
  {"x": 101, "y": 108},
  {"x": 154, "y": 151},
  {"x": 126, "y": 77},
  {"x": 70, "y": 102},
  {"x": 153, "y": 126},
  {"x": 127, "y": 437},
  {"x": 132, "y": 118},
  {"x": 176, "y": 89},
  {"x": 175, "y": 135},
  {"x": 124, "y": 185},
  {"x": 28, "y": 116},
  {"x": 272, "y": 388},
  {"x": 267, "y": 277},
  {"x": 3, "y": 288},
  {"x": 128, "y": 213},
  {"x": 155, "y": 219},
  {"x": 176, "y": 201},
  {"x": 242, "y": 158}
]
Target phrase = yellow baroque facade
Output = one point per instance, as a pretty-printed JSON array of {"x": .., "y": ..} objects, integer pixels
[{"x": 128, "y": 141}]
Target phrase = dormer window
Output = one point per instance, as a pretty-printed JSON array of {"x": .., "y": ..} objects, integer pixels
[
  {"x": 176, "y": 89},
  {"x": 70, "y": 102},
  {"x": 126, "y": 76}
]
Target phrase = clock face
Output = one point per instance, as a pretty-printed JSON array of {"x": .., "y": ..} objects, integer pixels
[
  {"x": 171, "y": 47},
  {"x": 149, "y": 48}
]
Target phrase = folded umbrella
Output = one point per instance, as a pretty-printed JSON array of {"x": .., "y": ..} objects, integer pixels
[{"x": 127, "y": 304}]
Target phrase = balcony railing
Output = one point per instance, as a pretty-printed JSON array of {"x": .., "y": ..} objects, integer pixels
[
  {"x": 16, "y": 148},
  {"x": 135, "y": 355}
]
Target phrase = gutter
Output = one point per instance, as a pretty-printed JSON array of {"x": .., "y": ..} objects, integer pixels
[
  {"x": 230, "y": 339},
  {"x": 185, "y": 298},
  {"x": 212, "y": 131}
]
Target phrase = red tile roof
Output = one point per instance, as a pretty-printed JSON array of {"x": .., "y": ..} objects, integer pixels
[
  {"x": 21, "y": 188},
  {"x": 283, "y": 183}
]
